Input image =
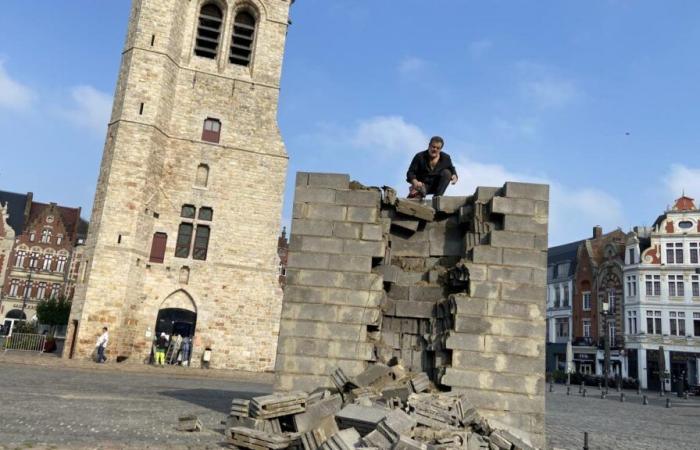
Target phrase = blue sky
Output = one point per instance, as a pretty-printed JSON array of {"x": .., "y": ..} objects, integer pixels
[{"x": 598, "y": 98}]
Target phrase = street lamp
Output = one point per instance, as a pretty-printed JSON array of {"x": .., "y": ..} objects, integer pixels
[{"x": 606, "y": 343}]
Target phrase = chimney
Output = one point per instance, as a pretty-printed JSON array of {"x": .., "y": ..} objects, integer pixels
[{"x": 597, "y": 231}]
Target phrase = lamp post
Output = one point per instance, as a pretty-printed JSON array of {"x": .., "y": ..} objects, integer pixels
[{"x": 606, "y": 343}]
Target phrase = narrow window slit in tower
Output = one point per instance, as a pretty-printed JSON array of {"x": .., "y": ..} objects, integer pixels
[
  {"x": 119, "y": 239},
  {"x": 153, "y": 39},
  {"x": 141, "y": 109}
]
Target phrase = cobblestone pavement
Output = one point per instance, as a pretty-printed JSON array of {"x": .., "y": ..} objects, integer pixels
[
  {"x": 59, "y": 406},
  {"x": 614, "y": 425}
]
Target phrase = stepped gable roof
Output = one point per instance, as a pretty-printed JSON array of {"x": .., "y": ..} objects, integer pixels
[
  {"x": 15, "y": 208},
  {"x": 69, "y": 216}
]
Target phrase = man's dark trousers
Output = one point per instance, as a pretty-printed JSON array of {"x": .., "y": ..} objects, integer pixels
[
  {"x": 437, "y": 185},
  {"x": 101, "y": 354}
]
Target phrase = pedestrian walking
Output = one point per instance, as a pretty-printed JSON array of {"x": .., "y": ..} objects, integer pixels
[{"x": 101, "y": 344}]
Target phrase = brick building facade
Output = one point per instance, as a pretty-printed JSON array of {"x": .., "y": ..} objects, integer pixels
[
  {"x": 41, "y": 252},
  {"x": 187, "y": 210}
]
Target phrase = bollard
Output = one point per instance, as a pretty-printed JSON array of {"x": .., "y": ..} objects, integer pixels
[
  {"x": 645, "y": 400},
  {"x": 602, "y": 394},
  {"x": 580, "y": 389},
  {"x": 600, "y": 386},
  {"x": 668, "y": 402},
  {"x": 622, "y": 397},
  {"x": 685, "y": 395},
  {"x": 551, "y": 387},
  {"x": 583, "y": 393},
  {"x": 585, "y": 440},
  {"x": 568, "y": 390}
]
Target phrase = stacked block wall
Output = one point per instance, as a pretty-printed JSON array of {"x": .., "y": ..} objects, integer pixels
[{"x": 368, "y": 281}]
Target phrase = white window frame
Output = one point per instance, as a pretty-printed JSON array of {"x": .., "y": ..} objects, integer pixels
[
  {"x": 586, "y": 300},
  {"x": 676, "y": 285},
  {"x": 19, "y": 259},
  {"x": 695, "y": 285},
  {"x": 586, "y": 328},
  {"x": 61, "y": 263},
  {"x": 14, "y": 287},
  {"x": 676, "y": 323},
  {"x": 632, "y": 286},
  {"x": 674, "y": 253},
  {"x": 41, "y": 290},
  {"x": 632, "y": 322},
  {"x": 655, "y": 317},
  {"x": 47, "y": 263},
  {"x": 694, "y": 253},
  {"x": 653, "y": 281}
]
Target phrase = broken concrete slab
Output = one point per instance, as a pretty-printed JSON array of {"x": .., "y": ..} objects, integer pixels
[{"x": 415, "y": 209}]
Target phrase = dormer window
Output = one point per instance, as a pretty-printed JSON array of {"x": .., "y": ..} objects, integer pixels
[
  {"x": 212, "y": 130},
  {"x": 242, "y": 38},
  {"x": 208, "y": 31},
  {"x": 685, "y": 224}
]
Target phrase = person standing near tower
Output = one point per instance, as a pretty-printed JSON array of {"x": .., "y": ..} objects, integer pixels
[{"x": 431, "y": 171}]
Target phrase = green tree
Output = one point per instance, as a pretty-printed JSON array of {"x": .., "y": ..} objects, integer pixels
[{"x": 54, "y": 311}]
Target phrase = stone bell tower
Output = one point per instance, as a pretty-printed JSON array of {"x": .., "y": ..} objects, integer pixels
[{"x": 188, "y": 203}]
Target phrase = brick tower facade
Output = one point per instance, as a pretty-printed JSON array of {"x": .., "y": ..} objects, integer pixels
[{"x": 187, "y": 209}]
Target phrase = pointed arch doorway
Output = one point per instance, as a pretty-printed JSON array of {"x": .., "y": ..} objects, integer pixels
[{"x": 177, "y": 315}]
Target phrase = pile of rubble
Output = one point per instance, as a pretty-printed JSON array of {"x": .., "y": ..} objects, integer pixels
[{"x": 382, "y": 408}]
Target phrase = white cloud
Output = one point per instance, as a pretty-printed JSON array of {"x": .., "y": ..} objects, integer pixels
[
  {"x": 545, "y": 87},
  {"x": 680, "y": 179},
  {"x": 412, "y": 65},
  {"x": 526, "y": 127},
  {"x": 388, "y": 134},
  {"x": 480, "y": 47},
  {"x": 13, "y": 94},
  {"x": 91, "y": 108}
]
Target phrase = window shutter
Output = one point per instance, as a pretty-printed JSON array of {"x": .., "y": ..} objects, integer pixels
[{"x": 158, "y": 247}]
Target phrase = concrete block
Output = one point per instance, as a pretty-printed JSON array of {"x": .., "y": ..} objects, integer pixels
[
  {"x": 512, "y": 402},
  {"x": 314, "y": 244},
  {"x": 390, "y": 274},
  {"x": 502, "y": 308},
  {"x": 347, "y": 230},
  {"x": 316, "y": 412},
  {"x": 425, "y": 293},
  {"x": 485, "y": 254},
  {"x": 350, "y": 263},
  {"x": 333, "y": 296},
  {"x": 420, "y": 249},
  {"x": 509, "y": 206},
  {"x": 523, "y": 292},
  {"x": 525, "y": 224},
  {"x": 398, "y": 292},
  {"x": 330, "y": 313},
  {"x": 448, "y": 204},
  {"x": 510, "y": 239},
  {"x": 484, "y": 289},
  {"x": 308, "y": 194},
  {"x": 462, "y": 341},
  {"x": 541, "y": 242},
  {"x": 524, "y": 257},
  {"x": 301, "y": 382},
  {"x": 497, "y": 362},
  {"x": 510, "y": 274},
  {"x": 317, "y": 366},
  {"x": 299, "y": 210},
  {"x": 371, "y": 232},
  {"x": 361, "y": 214},
  {"x": 308, "y": 260},
  {"x": 496, "y": 326},
  {"x": 323, "y": 348},
  {"x": 542, "y": 209},
  {"x": 306, "y": 227},
  {"x": 322, "y": 330},
  {"x": 514, "y": 346},
  {"x": 302, "y": 179},
  {"x": 410, "y": 278},
  {"x": 415, "y": 309},
  {"x": 406, "y": 224},
  {"x": 325, "y": 212},
  {"x": 363, "y": 248},
  {"x": 415, "y": 209},
  {"x": 484, "y": 194},
  {"x": 527, "y": 190},
  {"x": 463, "y": 304},
  {"x": 358, "y": 198},
  {"x": 495, "y": 381},
  {"x": 330, "y": 180}
]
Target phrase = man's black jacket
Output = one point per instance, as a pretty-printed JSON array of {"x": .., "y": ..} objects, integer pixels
[{"x": 420, "y": 167}]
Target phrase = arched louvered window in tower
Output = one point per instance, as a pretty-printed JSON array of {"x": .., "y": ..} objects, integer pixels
[
  {"x": 208, "y": 31},
  {"x": 242, "y": 38}
]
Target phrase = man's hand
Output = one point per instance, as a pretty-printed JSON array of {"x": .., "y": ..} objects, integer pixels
[
  {"x": 416, "y": 184},
  {"x": 453, "y": 180}
]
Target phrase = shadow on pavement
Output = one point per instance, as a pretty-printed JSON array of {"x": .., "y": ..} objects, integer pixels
[{"x": 218, "y": 400}]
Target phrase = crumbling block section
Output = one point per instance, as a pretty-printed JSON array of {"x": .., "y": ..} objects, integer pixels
[{"x": 452, "y": 288}]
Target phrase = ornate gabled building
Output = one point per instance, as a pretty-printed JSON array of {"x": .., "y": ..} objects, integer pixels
[
  {"x": 598, "y": 281},
  {"x": 41, "y": 248},
  {"x": 662, "y": 301}
]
